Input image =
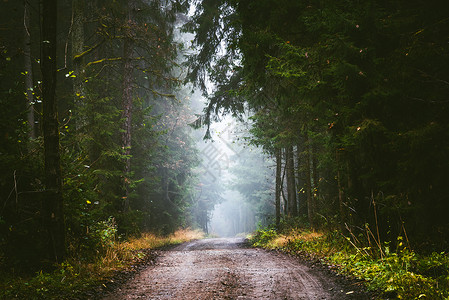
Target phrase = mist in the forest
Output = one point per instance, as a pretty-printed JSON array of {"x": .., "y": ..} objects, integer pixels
[
  {"x": 233, "y": 174},
  {"x": 220, "y": 208},
  {"x": 234, "y": 216}
]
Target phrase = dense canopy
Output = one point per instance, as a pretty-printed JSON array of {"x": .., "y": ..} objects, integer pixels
[{"x": 346, "y": 102}]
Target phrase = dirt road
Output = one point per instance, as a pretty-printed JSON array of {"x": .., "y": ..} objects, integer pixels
[{"x": 226, "y": 269}]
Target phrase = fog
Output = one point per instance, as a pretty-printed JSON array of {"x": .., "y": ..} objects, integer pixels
[
  {"x": 232, "y": 217},
  {"x": 223, "y": 207},
  {"x": 235, "y": 180}
]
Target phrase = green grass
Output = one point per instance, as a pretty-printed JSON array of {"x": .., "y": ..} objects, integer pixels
[{"x": 400, "y": 274}]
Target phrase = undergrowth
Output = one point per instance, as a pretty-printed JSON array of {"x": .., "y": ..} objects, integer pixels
[
  {"x": 76, "y": 276},
  {"x": 400, "y": 274}
]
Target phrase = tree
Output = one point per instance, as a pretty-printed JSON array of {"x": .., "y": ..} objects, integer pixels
[
  {"x": 53, "y": 203},
  {"x": 351, "y": 87},
  {"x": 127, "y": 98},
  {"x": 29, "y": 87},
  {"x": 77, "y": 39},
  {"x": 114, "y": 77},
  {"x": 291, "y": 185},
  {"x": 278, "y": 186}
]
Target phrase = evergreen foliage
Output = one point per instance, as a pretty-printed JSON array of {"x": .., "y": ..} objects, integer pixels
[
  {"x": 103, "y": 199},
  {"x": 349, "y": 98},
  {"x": 357, "y": 89}
]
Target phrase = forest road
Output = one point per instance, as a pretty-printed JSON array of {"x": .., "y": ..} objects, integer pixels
[{"x": 225, "y": 268}]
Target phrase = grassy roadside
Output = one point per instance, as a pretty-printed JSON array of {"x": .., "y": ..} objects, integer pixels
[
  {"x": 398, "y": 274},
  {"x": 73, "y": 278}
]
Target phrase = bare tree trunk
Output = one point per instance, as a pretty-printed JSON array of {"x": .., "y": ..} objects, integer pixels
[
  {"x": 28, "y": 69},
  {"x": 278, "y": 186},
  {"x": 206, "y": 227},
  {"x": 315, "y": 177},
  {"x": 341, "y": 193},
  {"x": 308, "y": 182},
  {"x": 291, "y": 185},
  {"x": 300, "y": 176},
  {"x": 127, "y": 98},
  {"x": 78, "y": 68},
  {"x": 53, "y": 203},
  {"x": 285, "y": 200}
]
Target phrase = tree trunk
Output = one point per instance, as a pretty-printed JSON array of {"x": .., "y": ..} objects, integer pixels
[
  {"x": 78, "y": 62},
  {"x": 127, "y": 97},
  {"x": 300, "y": 186},
  {"x": 291, "y": 185},
  {"x": 53, "y": 203},
  {"x": 28, "y": 70},
  {"x": 285, "y": 200},
  {"x": 341, "y": 193},
  {"x": 278, "y": 186},
  {"x": 315, "y": 177},
  {"x": 308, "y": 182}
]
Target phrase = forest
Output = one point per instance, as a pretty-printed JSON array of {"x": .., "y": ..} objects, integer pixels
[
  {"x": 123, "y": 118},
  {"x": 348, "y": 98}
]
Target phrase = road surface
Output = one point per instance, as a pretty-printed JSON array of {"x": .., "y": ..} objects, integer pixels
[{"x": 225, "y": 269}]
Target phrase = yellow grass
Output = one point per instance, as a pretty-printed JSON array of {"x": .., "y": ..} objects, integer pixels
[
  {"x": 84, "y": 275},
  {"x": 150, "y": 240},
  {"x": 124, "y": 253},
  {"x": 185, "y": 235},
  {"x": 308, "y": 236},
  {"x": 282, "y": 239}
]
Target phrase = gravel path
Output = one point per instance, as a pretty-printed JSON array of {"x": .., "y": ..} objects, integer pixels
[{"x": 226, "y": 269}]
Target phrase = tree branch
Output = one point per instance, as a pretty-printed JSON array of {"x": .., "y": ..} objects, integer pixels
[
  {"x": 78, "y": 56},
  {"x": 103, "y": 60}
]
